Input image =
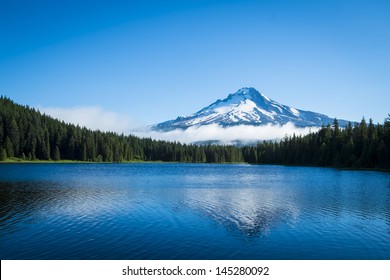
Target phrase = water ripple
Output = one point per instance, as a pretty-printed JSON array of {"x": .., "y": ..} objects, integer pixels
[{"x": 179, "y": 211}]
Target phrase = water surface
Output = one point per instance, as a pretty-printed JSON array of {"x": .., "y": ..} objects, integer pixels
[{"x": 192, "y": 211}]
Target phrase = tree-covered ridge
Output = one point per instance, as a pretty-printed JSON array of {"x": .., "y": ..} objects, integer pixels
[
  {"x": 26, "y": 133},
  {"x": 360, "y": 146}
]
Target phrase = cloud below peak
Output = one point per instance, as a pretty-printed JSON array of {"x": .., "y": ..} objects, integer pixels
[{"x": 226, "y": 135}]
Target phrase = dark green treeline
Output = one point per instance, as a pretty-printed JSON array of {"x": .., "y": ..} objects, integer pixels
[
  {"x": 360, "y": 146},
  {"x": 26, "y": 133}
]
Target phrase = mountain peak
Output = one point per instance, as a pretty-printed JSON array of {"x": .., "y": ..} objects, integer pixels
[
  {"x": 249, "y": 107},
  {"x": 243, "y": 95},
  {"x": 250, "y": 93},
  {"x": 247, "y": 90}
]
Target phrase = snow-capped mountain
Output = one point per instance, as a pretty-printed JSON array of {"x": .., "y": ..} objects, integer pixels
[{"x": 248, "y": 107}]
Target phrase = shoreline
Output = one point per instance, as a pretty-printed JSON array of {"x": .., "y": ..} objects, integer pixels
[{"x": 15, "y": 160}]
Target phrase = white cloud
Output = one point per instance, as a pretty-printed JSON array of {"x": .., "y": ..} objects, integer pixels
[
  {"x": 92, "y": 117},
  {"x": 243, "y": 133}
]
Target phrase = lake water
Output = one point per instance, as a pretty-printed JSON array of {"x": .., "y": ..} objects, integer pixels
[{"x": 192, "y": 211}]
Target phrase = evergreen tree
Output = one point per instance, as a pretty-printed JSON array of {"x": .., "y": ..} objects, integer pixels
[
  {"x": 13, "y": 134},
  {"x": 9, "y": 148},
  {"x": 3, "y": 154},
  {"x": 57, "y": 155}
]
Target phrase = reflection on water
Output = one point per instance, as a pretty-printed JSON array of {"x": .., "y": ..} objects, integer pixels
[
  {"x": 252, "y": 212},
  {"x": 184, "y": 211}
]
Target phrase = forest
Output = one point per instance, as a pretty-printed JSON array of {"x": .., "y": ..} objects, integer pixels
[{"x": 28, "y": 135}]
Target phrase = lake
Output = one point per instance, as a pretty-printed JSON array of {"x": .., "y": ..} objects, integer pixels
[{"x": 192, "y": 211}]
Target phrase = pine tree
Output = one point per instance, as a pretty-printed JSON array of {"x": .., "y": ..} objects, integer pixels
[
  {"x": 9, "y": 148},
  {"x": 13, "y": 134},
  {"x": 57, "y": 155},
  {"x": 3, "y": 154}
]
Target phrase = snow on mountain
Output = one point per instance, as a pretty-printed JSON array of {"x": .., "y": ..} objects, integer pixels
[{"x": 247, "y": 107}]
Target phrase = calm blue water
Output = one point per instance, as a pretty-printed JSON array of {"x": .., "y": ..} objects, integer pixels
[{"x": 192, "y": 211}]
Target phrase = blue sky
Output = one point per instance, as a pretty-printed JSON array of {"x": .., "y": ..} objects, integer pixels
[{"x": 150, "y": 61}]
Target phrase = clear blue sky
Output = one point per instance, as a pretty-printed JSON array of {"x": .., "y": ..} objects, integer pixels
[{"x": 155, "y": 60}]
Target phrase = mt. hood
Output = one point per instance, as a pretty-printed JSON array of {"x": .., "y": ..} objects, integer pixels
[{"x": 247, "y": 107}]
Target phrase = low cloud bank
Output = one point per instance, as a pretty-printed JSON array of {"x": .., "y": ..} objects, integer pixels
[
  {"x": 92, "y": 117},
  {"x": 226, "y": 135}
]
